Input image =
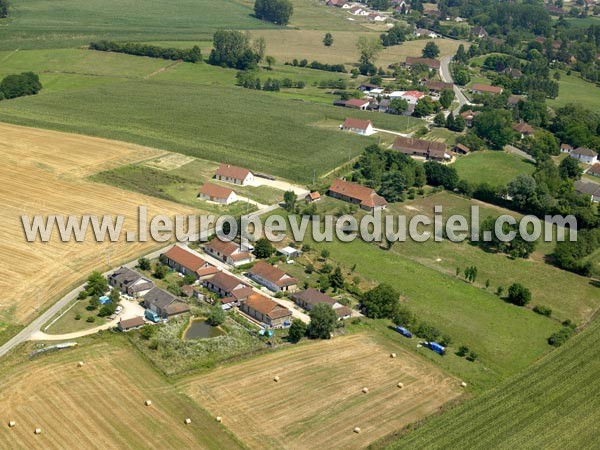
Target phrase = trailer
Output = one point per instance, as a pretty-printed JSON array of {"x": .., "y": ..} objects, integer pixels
[
  {"x": 152, "y": 316},
  {"x": 438, "y": 348},
  {"x": 404, "y": 332}
]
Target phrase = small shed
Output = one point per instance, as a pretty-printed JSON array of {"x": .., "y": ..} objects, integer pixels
[{"x": 290, "y": 252}]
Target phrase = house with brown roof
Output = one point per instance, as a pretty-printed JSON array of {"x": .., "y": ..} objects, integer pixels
[
  {"x": 228, "y": 286},
  {"x": 468, "y": 116},
  {"x": 130, "y": 324},
  {"x": 164, "y": 303},
  {"x": 271, "y": 277},
  {"x": 266, "y": 311},
  {"x": 479, "y": 88},
  {"x": 312, "y": 197},
  {"x": 429, "y": 62},
  {"x": 566, "y": 148},
  {"x": 217, "y": 194},
  {"x": 186, "y": 261},
  {"x": 358, "y": 126},
  {"x": 523, "y": 129},
  {"x": 366, "y": 197},
  {"x": 234, "y": 174},
  {"x": 421, "y": 148},
  {"x": 228, "y": 252},
  {"x": 336, "y": 3},
  {"x": 130, "y": 282},
  {"x": 594, "y": 170},
  {"x": 357, "y": 103},
  {"x": 310, "y": 297},
  {"x": 461, "y": 149},
  {"x": 438, "y": 86},
  {"x": 479, "y": 32}
]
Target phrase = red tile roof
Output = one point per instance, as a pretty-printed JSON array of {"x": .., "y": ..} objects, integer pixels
[
  {"x": 356, "y": 123},
  {"x": 185, "y": 258},
  {"x": 314, "y": 195},
  {"x": 439, "y": 85},
  {"x": 226, "y": 248},
  {"x": 367, "y": 196},
  {"x": 229, "y": 171},
  {"x": 215, "y": 191},
  {"x": 422, "y": 146},
  {"x": 134, "y": 322},
  {"x": 272, "y": 274},
  {"x": 523, "y": 127},
  {"x": 267, "y": 307},
  {"x": 415, "y": 94},
  {"x": 595, "y": 169},
  {"x": 357, "y": 102},
  {"x": 313, "y": 296},
  {"x": 486, "y": 88},
  {"x": 225, "y": 282}
]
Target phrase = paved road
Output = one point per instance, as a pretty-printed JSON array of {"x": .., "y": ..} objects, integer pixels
[{"x": 446, "y": 76}]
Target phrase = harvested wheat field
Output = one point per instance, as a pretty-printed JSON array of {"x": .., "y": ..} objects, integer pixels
[
  {"x": 43, "y": 172},
  {"x": 318, "y": 399},
  {"x": 99, "y": 405}
]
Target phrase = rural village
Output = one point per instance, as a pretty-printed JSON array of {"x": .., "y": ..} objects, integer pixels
[{"x": 315, "y": 109}]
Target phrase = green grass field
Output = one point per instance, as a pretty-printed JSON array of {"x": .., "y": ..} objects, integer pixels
[
  {"x": 574, "y": 89},
  {"x": 493, "y": 167},
  {"x": 553, "y": 404}
]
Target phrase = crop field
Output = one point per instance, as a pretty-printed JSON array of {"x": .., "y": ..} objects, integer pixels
[
  {"x": 318, "y": 400},
  {"x": 553, "y": 404},
  {"x": 99, "y": 405},
  {"x": 493, "y": 167},
  {"x": 43, "y": 172}
]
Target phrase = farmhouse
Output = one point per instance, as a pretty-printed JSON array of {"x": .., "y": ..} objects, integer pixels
[
  {"x": 358, "y": 126},
  {"x": 366, "y": 197},
  {"x": 312, "y": 197},
  {"x": 594, "y": 170},
  {"x": 438, "y": 86},
  {"x": 429, "y": 62},
  {"x": 228, "y": 252},
  {"x": 186, "y": 261},
  {"x": 479, "y": 88},
  {"x": 233, "y": 174},
  {"x": 523, "y": 129},
  {"x": 566, "y": 148},
  {"x": 218, "y": 194},
  {"x": 412, "y": 97},
  {"x": 585, "y": 155},
  {"x": 421, "y": 148},
  {"x": 422, "y": 32},
  {"x": 468, "y": 116},
  {"x": 226, "y": 285},
  {"x": 130, "y": 324},
  {"x": 272, "y": 277},
  {"x": 479, "y": 32},
  {"x": 588, "y": 188},
  {"x": 130, "y": 282},
  {"x": 310, "y": 297},
  {"x": 164, "y": 303},
  {"x": 356, "y": 103},
  {"x": 368, "y": 87},
  {"x": 266, "y": 311}
]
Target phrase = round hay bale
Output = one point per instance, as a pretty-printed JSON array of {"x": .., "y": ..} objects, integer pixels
[
  {"x": 400, "y": 385},
  {"x": 463, "y": 384},
  {"x": 219, "y": 419},
  {"x": 38, "y": 431},
  {"x": 365, "y": 390},
  {"x": 12, "y": 424},
  {"x": 392, "y": 355},
  {"x": 148, "y": 403},
  {"x": 80, "y": 364},
  {"x": 357, "y": 430},
  {"x": 276, "y": 379},
  {"x": 188, "y": 421}
]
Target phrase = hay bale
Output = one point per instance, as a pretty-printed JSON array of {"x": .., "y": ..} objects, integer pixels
[
  {"x": 392, "y": 355},
  {"x": 463, "y": 384},
  {"x": 188, "y": 421},
  {"x": 357, "y": 430},
  {"x": 365, "y": 390},
  {"x": 38, "y": 431},
  {"x": 276, "y": 379},
  {"x": 12, "y": 424},
  {"x": 80, "y": 364},
  {"x": 148, "y": 403},
  {"x": 400, "y": 385},
  {"x": 219, "y": 419}
]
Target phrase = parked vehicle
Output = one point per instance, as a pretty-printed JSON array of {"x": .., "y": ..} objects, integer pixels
[
  {"x": 118, "y": 310},
  {"x": 404, "y": 332},
  {"x": 152, "y": 316},
  {"x": 438, "y": 348}
]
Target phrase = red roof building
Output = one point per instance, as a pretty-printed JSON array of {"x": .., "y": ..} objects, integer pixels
[{"x": 366, "y": 197}]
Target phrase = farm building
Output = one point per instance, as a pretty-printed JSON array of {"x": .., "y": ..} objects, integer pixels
[
  {"x": 164, "y": 303},
  {"x": 266, "y": 311},
  {"x": 585, "y": 155},
  {"x": 523, "y": 129},
  {"x": 228, "y": 252},
  {"x": 312, "y": 197},
  {"x": 271, "y": 277},
  {"x": 594, "y": 170},
  {"x": 357, "y": 103},
  {"x": 479, "y": 32},
  {"x": 130, "y": 324},
  {"x": 438, "y": 86},
  {"x": 479, "y": 88},
  {"x": 336, "y": 3},
  {"x": 435, "y": 151},
  {"x": 130, "y": 282},
  {"x": 225, "y": 285},
  {"x": 358, "y": 126},
  {"x": 461, "y": 149},
  {"x": 423, "y": 32},
  {"x": 290, "y": 252},
  {"x": 366, "y": 197},
  {"x": 187, "y": 262},
  {"x": 588, "y": 188},
  {"x": 310, "y": 297},
  {"x": 234, "y": 174},
  {"x": 217, "y": 194},
  {"x": 429, "y": 62},
  {"x": 566, "y": 148},
  {"x": 468, "y": 116},
  {"x": 412, "y": 97}
]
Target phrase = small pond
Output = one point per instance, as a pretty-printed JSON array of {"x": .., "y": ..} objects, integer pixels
[{"x": 201, "y": 329}]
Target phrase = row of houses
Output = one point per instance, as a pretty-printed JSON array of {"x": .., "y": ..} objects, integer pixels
[{"x": 421, "y": 148}]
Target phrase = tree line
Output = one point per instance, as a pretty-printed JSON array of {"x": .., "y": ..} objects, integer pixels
[
  {"x": 193, "y": 55},
  {"x": 276, "y": 11}
]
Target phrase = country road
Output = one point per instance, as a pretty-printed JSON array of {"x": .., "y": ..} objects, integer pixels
[{"x": 446, "y": 76}]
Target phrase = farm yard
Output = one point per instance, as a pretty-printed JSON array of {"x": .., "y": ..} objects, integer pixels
[
  {"x": 102, "y": 403},
  {"x": 318, "y": 400}
]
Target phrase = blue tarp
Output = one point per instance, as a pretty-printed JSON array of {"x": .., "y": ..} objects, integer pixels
[{"x": 104, "y": 300}]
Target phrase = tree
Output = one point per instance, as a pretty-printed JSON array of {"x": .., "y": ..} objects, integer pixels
[
  {"x": 289, "y": 199},
  {"x": 297, "y": 331},
  {"x": 216, "y": 316},
  {"x": 144, "y": 264},
  {"x": 461, "y": 56},
  {"x": 328, "y": 40},
  {"x": 379, "y": 5},
  {"x": 439, "y": 119},
  {"x": 27, "y": 83},
  {"x": 404, "y": 317},
  {"x": 232, "y": 49},
  {"x": 381, "y": 302},
  {"x": 518, "y": 294},
  {"x": 259, "y": 46},
  {"x": 115, "y": 296},
  {"x": 398, "y": 105},
  {"x": 569, "y": 168},
  {"x": 446, "y": 98},
  {"x": 523, "y": 191},
  {"x": 3, "y": 9},
  {"x": 263, "y": 248},
  {"x": 96, "y": 284},
  {"x": 431, "y": 50},
  {"x": 276, "y": 11},
  {"x": 369, "y": 49},
  {"x": 441, "y": 175},
  {"x": 336, "y": 279},
  {"x": 322, "y": 321},
  {"x": 495, "y": 127},
  {"x": 160, "y": 272},
  {"x": 425, "y": 107},
  {"x": 324, "y": 253},
  {"x": 270, "y": 61},
  {"x": 324, "y": 283}
]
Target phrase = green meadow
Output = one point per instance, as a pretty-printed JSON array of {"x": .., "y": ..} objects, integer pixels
[{"x": 493, "y": 167}]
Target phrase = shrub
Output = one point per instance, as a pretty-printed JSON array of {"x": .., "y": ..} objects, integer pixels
[
  {"x": 90, "y": 319},
  {"x": 472, "y": 356},
  {"x": 518, "y": 294},
  {"x": 561, "y": 336},
  {"x": 463, "y": 351},
  {"x": 543, "y": 310},
  {"x": 77, "y": 316}
]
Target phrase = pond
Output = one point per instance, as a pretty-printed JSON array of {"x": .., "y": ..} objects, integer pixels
[{"x": 201, "y": 329}]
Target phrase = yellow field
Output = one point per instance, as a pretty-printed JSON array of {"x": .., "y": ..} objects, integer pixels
[
  {"x": 43, "y": 173},
  {"x": 286, "y": 45},
  {"x": 100, "y": 405},
  {"x": 318, "y": 400}
]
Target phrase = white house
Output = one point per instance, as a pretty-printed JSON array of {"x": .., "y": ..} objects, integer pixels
[
  {"x": 565, "y": 148},
  {"x": 422, "y": 32},
  {"x": 585, "y": 155},
  {"x": 233, "y": 174},
  {"x": 217, "y": 194},
  {"x": 412, "y": 97},
  {"x": 375, "y": 17},
  {"x": 358, "y": 126}
]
